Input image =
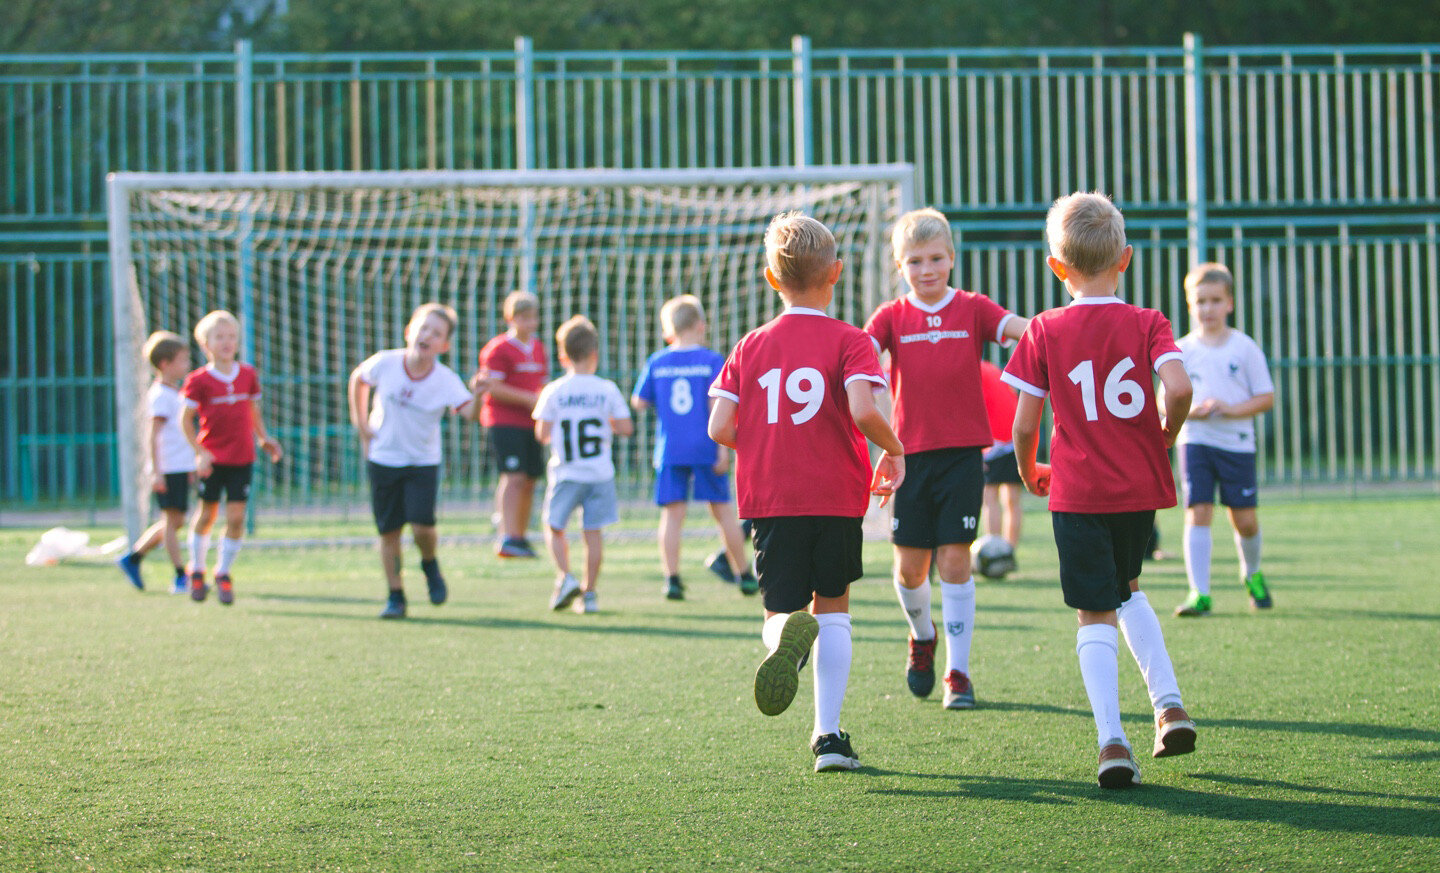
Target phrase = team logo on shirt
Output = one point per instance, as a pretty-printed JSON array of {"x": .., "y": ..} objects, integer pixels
[
  {"x": 934, "y": 336},
  {"x": 1234, "y": 367}
]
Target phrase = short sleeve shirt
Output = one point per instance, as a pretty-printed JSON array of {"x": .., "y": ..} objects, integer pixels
[
  {"x": 798, "y": 451},
  {"x": 676, "y": 382},
  {"x": 521, "y": 365},
  {"x": 1094, "y": 359},
  {"x": 405, "y": 412},
  {"x": 1231, "y": 372},
  {"x": 935, "y": 366},
  {"x": 175, "y": 453},
  {"x": 225, "y": 402},
  {"x": 999, "y": 404},
  {"x": 580, "y": 407}
]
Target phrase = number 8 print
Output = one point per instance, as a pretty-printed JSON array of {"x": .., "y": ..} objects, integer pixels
[{"x": 805, "y": 386}]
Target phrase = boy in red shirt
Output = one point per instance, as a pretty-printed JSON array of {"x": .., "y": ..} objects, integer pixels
[
  {"x": 224, "y": 397},
  {"x": 513, "y": 369},
  {"x": 795, "y": 400},
  {"x": 935, "y": 335},
  {"x": 1093, "y": 359}
]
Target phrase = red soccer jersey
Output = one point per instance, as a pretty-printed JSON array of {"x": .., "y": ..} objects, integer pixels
[
  {"x": 1095, "y": 359},
  {"x": 227, "y": 422},
  {"x": 999, "y": 403},
  {"x": 798, "y": 451},
  {"x": 518, "y": 364},
  {"x": 935, "y": 366}
]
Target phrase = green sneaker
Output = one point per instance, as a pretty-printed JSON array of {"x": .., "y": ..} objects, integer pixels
[
  {"x": 1258, "y": 590},
  {"x": 1196, "y": 604}
]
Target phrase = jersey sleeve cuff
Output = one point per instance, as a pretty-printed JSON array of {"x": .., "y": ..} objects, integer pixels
[
  {"x": 1168, "y": 356},
  {"x": 868, "y": 377},
  {"x": 721, "y": 392},
  {"x": 1021, "y": 385},
  {"x": 1000, "y": 337}
]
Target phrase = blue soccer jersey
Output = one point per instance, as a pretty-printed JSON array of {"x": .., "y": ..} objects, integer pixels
[{"x": 676, "y": 382}]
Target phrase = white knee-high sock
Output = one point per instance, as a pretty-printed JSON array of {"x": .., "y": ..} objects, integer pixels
[
  {"x": 916, "y": 604},
  {"x": 229, "y": 548},
  {"x": 832, "y": 670},
  {"x": 1097, "y": 646},
  {"x": 1249, "y": 550},
  {"x": 1142, "y": 634},
  {"x": 199, "y": 548},
  {"x": 770, "y": 631},
  {"x": 957, "y": 610},
  {"x": 1197, "y": 556}
]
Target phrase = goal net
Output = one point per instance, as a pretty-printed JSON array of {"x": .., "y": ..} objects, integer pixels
[{"x": 323, "y": 269}]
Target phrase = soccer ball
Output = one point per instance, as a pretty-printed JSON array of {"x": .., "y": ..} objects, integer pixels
[{"x": 992, "y": 557}]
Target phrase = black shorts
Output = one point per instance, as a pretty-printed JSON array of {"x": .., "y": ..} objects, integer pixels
[
  {"x": 1001, "y": 469},
  {"x": 515, "y": 450},
  {"x": 799, "y": 556},
  {"x": 176, "y": 495},
  {"x": 1099, "y": 554},
  {"x": 231, "y": 480},
  {"x": 939, "y": 502},
  {"x": 403, "y": 494}
]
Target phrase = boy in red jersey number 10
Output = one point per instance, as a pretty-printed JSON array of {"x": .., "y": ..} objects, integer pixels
[{"x": 796, "y": 401}]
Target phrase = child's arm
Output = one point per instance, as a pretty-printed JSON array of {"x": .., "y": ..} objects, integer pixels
[
  {"x": 262, "y": 436},
  {"x": 1245, "y": 409},
  {"x": 157, "y": 483},
  {"x": 639, "y": 403},
  {"x": 1026, "y": 434},
  {"x": 721, "y": 426},
  {"x": 623, "y": 426},
  {"x": 1178, "y": 391},
  {"x": 359, "y": 395},
  {"x": 189, "y": 425},
  {"x": 890, "y": 469},
  {"x": 512, "y": 396},
  {"x": 1015, "y": 328},
  {"x": 542, "y": 431}
]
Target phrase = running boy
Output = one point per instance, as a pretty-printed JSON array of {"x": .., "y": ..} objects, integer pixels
[
  {"x": 400, "y": 437},
  {"x": 1217, "y": 445},
  {"x": 172, "y": 461},
  {"x": 1093, "y": 358},
  {"x": 674, "y": 382},
  {"x": 796, "y": 401},
  {"x": 222, "y": 423},
  {"x": 513, "y": 368},
  {"x": 935, "y": 335},
  {"x": 578, "y": 416}
]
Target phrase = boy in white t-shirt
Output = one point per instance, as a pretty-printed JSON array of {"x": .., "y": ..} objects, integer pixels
[
  {"x": 578, "y": 416},
  {"x": 400, "y": 437},
  {"x": 1217, "y": 445},
  {"x": 171, "y": 460}
]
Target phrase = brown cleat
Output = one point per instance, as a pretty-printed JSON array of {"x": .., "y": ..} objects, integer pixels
[
  {"x": 1117, "y": 767},
  {"x": 1174, "y": 733}
]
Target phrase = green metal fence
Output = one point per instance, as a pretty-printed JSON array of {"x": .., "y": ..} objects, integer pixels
[{"x": 1312, "y": 170}]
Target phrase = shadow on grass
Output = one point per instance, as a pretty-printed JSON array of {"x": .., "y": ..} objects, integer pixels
[
  {"x": 569, "y": 624},
  {"x": 312, "y": 598},
  {"x": 1305, "y": 815}
]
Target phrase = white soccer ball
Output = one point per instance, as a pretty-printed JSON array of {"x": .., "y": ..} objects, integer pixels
[{"x": 992, "y": 557}]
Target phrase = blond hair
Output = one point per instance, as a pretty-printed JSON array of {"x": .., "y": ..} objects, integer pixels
[
  {"x": 920, "y": 226},
  {"x": 1210, "y": 273},
  {"x": 680, "y": 314},
  {"x": 206, "y": 325},
  {"x": 1085, "y": 232},
  {"x": 519, "y": 303},
  {"x": 798, "y": 250},
  {"x": 578, "y": 338},
  {"x": 161, "y": 347},
  {"x": 425, "y": 310}
]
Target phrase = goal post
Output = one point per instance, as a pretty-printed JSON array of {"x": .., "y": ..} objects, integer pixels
[{"x": 323, "y": 269}]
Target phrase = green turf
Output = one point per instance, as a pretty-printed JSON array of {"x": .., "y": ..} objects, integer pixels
[{"x": 295, "y": 731}]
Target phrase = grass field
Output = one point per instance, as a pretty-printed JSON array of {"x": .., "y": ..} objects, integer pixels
[{"x": 295, "y": 731}]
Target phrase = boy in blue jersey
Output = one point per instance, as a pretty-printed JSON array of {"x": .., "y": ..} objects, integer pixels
[{"x": 676, "y": 384}]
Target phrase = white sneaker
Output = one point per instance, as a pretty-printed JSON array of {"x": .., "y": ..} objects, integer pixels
[
  {"x": 587, "y": 603},
  {"x": 566, "y": 589}
]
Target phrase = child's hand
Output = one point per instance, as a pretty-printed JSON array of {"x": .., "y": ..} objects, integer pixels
[
  {"x": 889, "y": 473},
  {"x": 1206, "y": 408},
  {"x": 157, "y": 484},
  {"x": 1039, "y": 481},
  {"x": 204, "y": 463},
  {"x": 272, "y": 448},
  {"x": 480, "y": 384},
  {"x": 722, "y": 463}
]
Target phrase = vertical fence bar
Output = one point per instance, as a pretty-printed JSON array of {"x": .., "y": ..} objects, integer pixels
[
  {"x": 244, "y": 108},
  {"x": 1195, "y": 193}
]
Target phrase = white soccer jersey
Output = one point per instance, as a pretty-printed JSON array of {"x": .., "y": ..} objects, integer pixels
[
  {"x": 1232, "y": 372},
  {"x": 580, "y": 407},
  {"x": 176, "y": 456},
  {"x": 406, "y": 412}
]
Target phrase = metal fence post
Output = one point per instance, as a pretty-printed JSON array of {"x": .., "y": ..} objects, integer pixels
[
  {"x": 525, "y": 152},
  {"x": 1196, "y": 193},
  {"x": 800, "y": 95},
  {"x": 244, "y": 106}
]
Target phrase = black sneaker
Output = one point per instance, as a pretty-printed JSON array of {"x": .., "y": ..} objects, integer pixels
[
  {"x": 833, "y": 752},
  {"x": 674, "y": 590},
  {"x": 719, "y": 564},
  {"x": 434, "y": 582},
  {"x": 394, "y": 607}
]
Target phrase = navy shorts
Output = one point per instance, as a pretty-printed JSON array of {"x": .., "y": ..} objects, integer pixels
[
  {"x": 1099, "y": 554},
  {"x": 515, "y": 450},
  {"x": 939, "y": 502},
  {"x": 403, "y": 494},
  {"x": 176, "y": 495},
  {"x": 1204, "y": 467},
  {"x": 230, "y": 480},
  {"x": 672, "y": 484},
  {"x": 800, "y": 556},
  {"x": 1001, "y": 469}
]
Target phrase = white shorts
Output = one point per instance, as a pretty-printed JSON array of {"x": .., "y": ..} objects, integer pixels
[{"x": 597, "y": 500}]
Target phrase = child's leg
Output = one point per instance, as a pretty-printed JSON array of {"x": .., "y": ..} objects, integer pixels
[
  {"x": 392, "y": 559},
  {"x": 993, "y": 521},
  {"x": 672, "y": 520},
  {"x": 832, "y": 661},
  {"x": 1097, "y": 646},
  {"x": 957, "y": 604},
  {"x": 594, "y": 553},
  {"x": 1012, "y": 516},
  {"x": 200, "y": 534},
  {"x": 234, "y": 535},
  {"x": 524, "y": 504},
  {"x": 559, "y": 549},
  {"x": 173, "y": 522},
  {"x": 514, "y": 495},
  {"x": 1197, "y": 546},
  {"x": 1141, "y": 628},
  {"x": 1247, "y": 539},
  {"x": 912, "y": 587},
  {"x": 426, "y": 539},
  {"x": 729, "y": 523}
]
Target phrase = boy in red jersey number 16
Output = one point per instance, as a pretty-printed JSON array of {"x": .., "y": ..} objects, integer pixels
[
  {"x": 796, "y": 401},
  {"x": 1108, "y": 470}
]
